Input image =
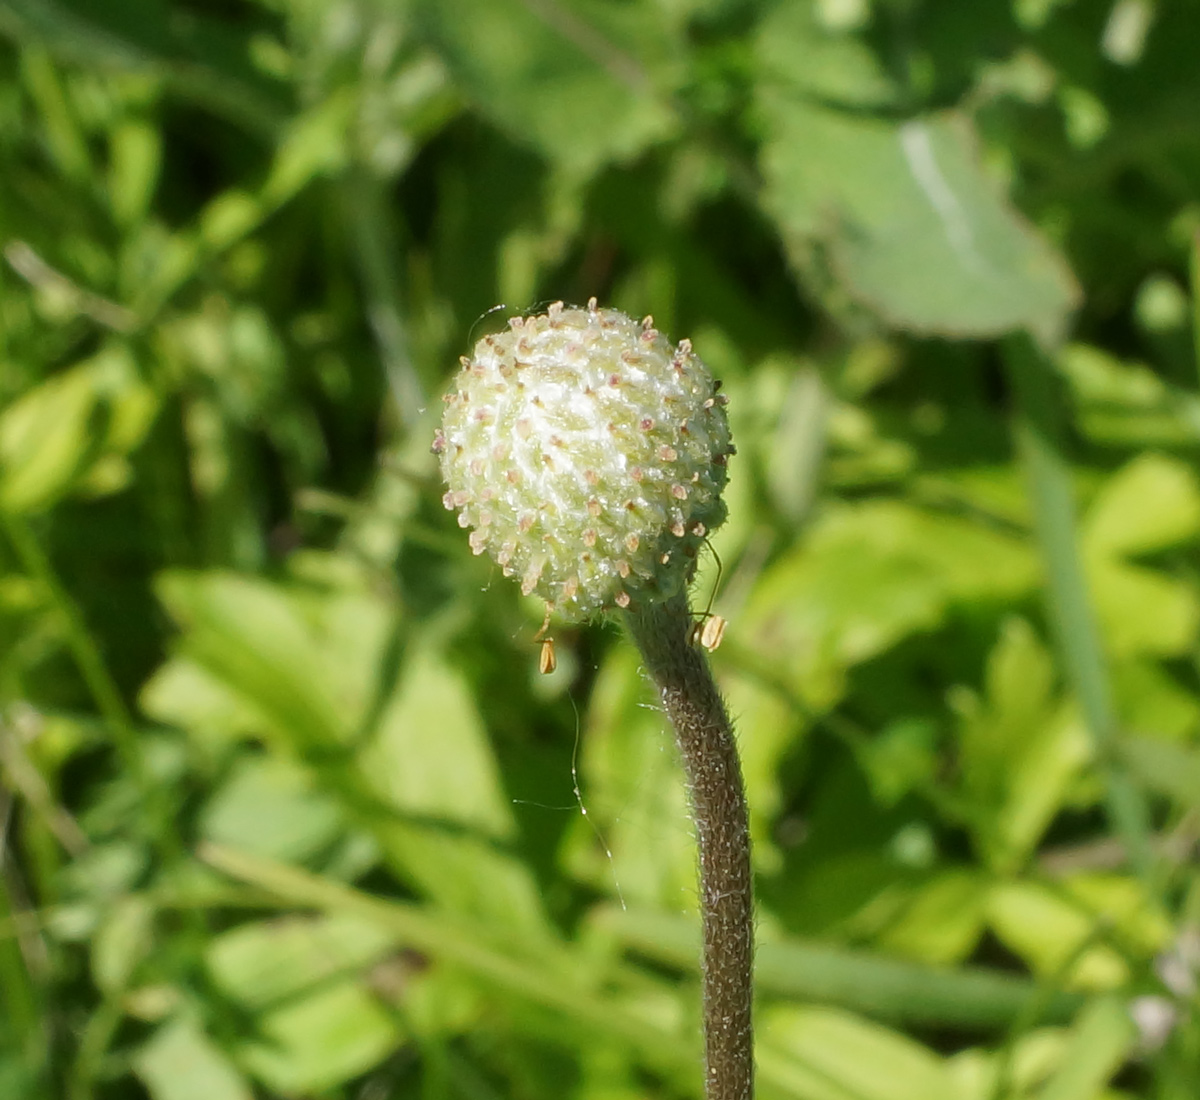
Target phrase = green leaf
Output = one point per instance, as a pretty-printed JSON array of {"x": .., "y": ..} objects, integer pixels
[
  {"x": 1171, "y": 770},
  {"x": 185, "y": 694},
  {"x": 181, "y": 1063},
  {"x": 1143, "y": 611},
  {"x": 53, "y": 434},
  {"x": 825, "y": 1054},
  {"x": 1151, "y": 503},
  {"x": 121, "y": 942},
  {"x": 1127, "y": 404},
  {"x": 313, "y": 145},
  {"x": 1151, "y": 701},
  {"x": 913, "y": 226},
  {"x": 431, "y": 756},
  {"x": 1061, "y": 933},
  {"x": 269, "y": 806},
  {"x": 979, "y": 1074},
  {"x": 319, "y": 1041},
  {"x": 943, "y": 921},
  {"x": 305, "y": 661},
  {"x": 45, "y": 439},
  {"x": 1020, "y": 748},
  {"x": 578, "y": 81},
  {"x": 899, "y": 758},
  {"x": 868, "y": 575},
  {"x": 1099, "y": 1043},
  {"x": 265, "y": 963},
  {"x": 799, "y": 55},
  {"x": 431, "y": 759},
  {"x": 136, "y": 159}
]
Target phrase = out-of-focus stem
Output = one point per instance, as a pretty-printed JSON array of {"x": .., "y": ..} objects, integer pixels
[{"x": 1039, "y": 432}]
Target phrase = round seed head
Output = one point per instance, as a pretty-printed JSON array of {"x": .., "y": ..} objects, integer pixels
[{"x": 588, "y": 455}]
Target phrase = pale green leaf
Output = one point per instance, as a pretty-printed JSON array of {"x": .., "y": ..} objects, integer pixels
[
  {"x": 826, "y": 1054},
  {"x": 1143, "y": 611},
  {"x": 269, "y": 806},
  {"x": 1150, "y": 504},
  {"x": 305, "y": 661},
  {"x": 1098, "y": 1044},
  {"x": 180, "y": 1062},
  {"x": 868, "y": 575},
  {"x": 124, "y": 938},
  {"x": 185, "y": 694},
  {"x": 913, "y": 227},
  {"x": 796, "y": 52},
  {"x": 314, "y": 145},
  {"x": 431, "y": 759},
  {"x": 46, "y": 436},
  {"x": 943, "y": 921},
  {"x": 322, "y": 1040},
  {"x": 1062, "y": 933},
  {"x": 135, "y": 162},
  {"x": 265, "y": 963},
  {"x": 1152, "y": 701},
  {"x": 1169, "y": 769},
  {"x": 1128, "y": 404}
]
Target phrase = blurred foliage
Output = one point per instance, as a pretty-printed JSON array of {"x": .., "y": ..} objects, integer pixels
[{"x": 287, "y": 810}]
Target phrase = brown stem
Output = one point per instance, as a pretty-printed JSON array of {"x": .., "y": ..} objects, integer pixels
[{"x": 714, "y": 776}]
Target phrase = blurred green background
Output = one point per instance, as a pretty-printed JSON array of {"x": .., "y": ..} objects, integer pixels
[{"x": 287, "y": 810}]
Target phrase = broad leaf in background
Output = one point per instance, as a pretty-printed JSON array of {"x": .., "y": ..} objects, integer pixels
[
  {"x": 582, "y": 82},
  {"x": 182, "y": 1063},
  {"x": 1085, "y": 932},
  {"x": 74, "y": 431},
  {"x": 797, "y": 47},
  {"x": 430, "y": 760},
  {"x": 1020, "y": 746},
  {"x": 866, "y": 576},
  {"x": 824, "y": 1054},
  {"x": 1151, "y": 505},
  {"x": 258, "y": 836},
  {"x": 911, "y": 226},
  {"x": 305, "y": 980}
]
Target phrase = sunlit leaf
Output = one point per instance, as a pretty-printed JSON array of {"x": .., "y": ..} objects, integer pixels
[
  {"x": 1097, "y": 1046},
  {"x": 320, "y": 1040},
  {"x": 269, "y": 806},
  {"x": 1150, "y": 504},
  {"x": 1060, "y": 933},
  {"x": 265, "y": 963},
  {"x": 431, "y": 760},
  {"x": 181, "y": 1063},
  {"x": 823, "y": 1054}
]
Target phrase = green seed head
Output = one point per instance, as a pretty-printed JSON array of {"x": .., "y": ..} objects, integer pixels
[{"x": 588, "y": 456}]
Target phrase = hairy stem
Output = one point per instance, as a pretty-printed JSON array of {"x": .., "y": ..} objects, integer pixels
[{"x": 714, "y": 776}]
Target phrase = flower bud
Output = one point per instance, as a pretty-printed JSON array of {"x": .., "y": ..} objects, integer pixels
[{"x": 587, "y": 455}]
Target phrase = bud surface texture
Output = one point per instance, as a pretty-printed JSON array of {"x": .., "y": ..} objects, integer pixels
[{"x": 588, "y": 456}]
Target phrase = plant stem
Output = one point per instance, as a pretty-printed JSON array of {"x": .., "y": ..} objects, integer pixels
[
  {"x": 1040, "y": 433},
  {"x": 714, "y": 777}
]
